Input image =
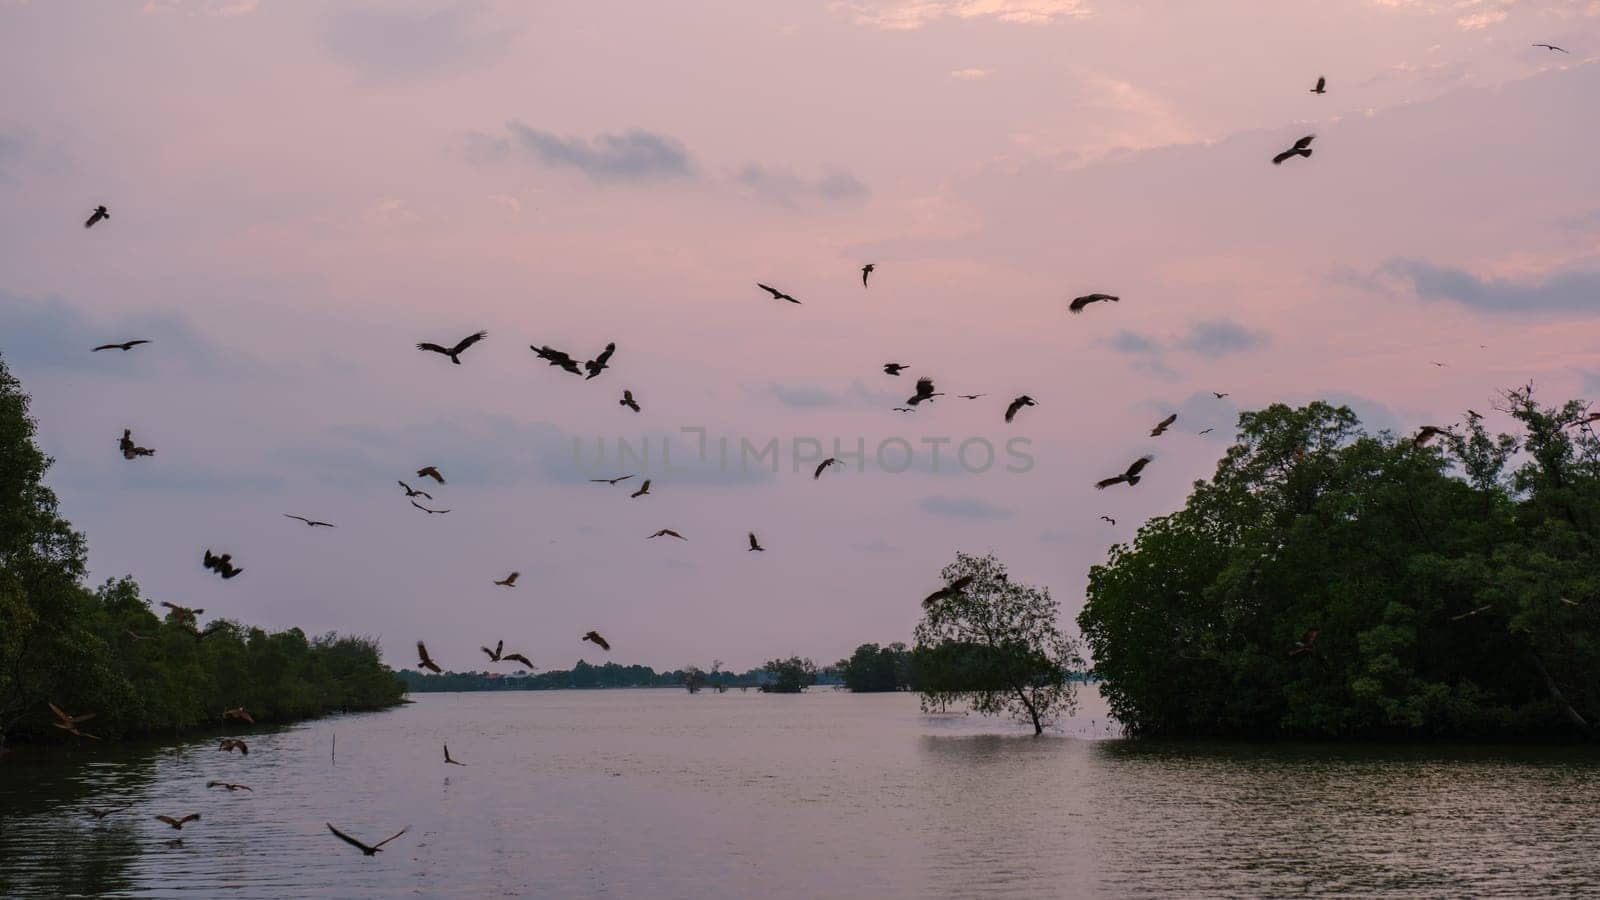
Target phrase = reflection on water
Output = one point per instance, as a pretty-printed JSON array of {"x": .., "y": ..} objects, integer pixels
[{"x": 663, "y": 794}]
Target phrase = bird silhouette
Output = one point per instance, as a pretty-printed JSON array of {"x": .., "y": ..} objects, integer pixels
[
  {"x": 1427, "y": 433},
  {"x": 179, "y": 823},
  {"x": 594, "y": 638},
  {"x": 903, "y": 409},
  {"x": 240, "y": 713},
  {"x": 494, "y": 655},
  {"x": 628, "y": 401},
  {"x": 1545, "y": 46},
  {"x": 971, "y": 396},
  {"x": 199, "y": 635},
  {"x": 894, "y": 368},
  {"x": 424, "y": 661},
  {"x": 70, "y": 724},
  {"x": 101, "y": 812},
  {"x": 100, "y": 212},
  {"x": 184, "y": 613},
  {"x": 830, "y": 461},
  {"x": 129, "y": 449},
  {"x": 1322, "y": 86},
  {"x": 776, "y": 294},
  {"x": 1017, "y": 404},
  {"x": 1163, "y": 425},
  {"x": 430, "y": 472},
  {"x": 1206, "y": 431},
  {"x": 755, "y": 545},
  {"x": 949, "y": 590},
  {"x": 611, "y": 481},
  {"x": 222, "y": 565},
  {"x": 643, "y": 489},
  {"x": 558, "y": 358},
  {"x": 1079, "y": 303},
  {"x": 866, "y": 270},
  {"x": 1108, "y": 520},
  {"x": 454, "y": 352},
  {"x": 1472, "y": 612},
  {"x": 1130, "y": 477},
  {"x": 1301, "y": 147},
  {"x": 667, "y": 532},
  {"x": 447, "y": 760},
  {"x": 125, "y": 345},
  {"x": 1438, "y": 364},
  {"x": 598, "y": 364},
  {"x": 518, "y": 657},
  {"x": 229, "y": 785},
  {"x": 924, "y": 392},
  {"x": 1220, "y": 396},
  {"x": 313, "y": 523},
  {"x": 509, "y": 580},
  {"x": 228, "y": 745},
  {"x": 1303, "y": 646},
  {"x": 414, "y": 493},
  {"x": 430, "y": 512},
  {"x": 368, "y": 849}
]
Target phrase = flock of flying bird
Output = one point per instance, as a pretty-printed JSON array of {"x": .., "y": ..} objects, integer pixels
[{"x": 222, "y": 564}]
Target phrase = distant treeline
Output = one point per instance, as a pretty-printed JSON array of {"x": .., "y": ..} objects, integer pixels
[
  {"x": 947, "y": 666},
  {"x": 584, "y": 675},
  {"x": 105, "y": 652}
]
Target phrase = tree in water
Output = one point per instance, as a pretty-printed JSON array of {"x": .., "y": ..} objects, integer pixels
[
  {"x": 789, "y": 676},
  {"x": 995, "y": 645}
]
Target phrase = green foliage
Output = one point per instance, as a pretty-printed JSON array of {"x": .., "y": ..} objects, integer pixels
[
  {"x": 789, "y": 676},
  {"x": 874, "y": 669},
  {"x": 995, "y": 646},
  {"x": 582, "y": 675},
  {"x": 106, "y": 652},
  {"x": 1448, "y": 603}
]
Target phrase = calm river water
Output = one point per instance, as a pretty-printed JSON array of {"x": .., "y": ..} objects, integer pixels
[{"x": 662, "y": 794}]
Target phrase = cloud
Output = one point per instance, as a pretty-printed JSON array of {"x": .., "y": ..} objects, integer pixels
[
  {"x": 1134, "y": 343},
  {"x": 804, "y": 397},
  {"x": 961, "y": 508},
  {"x": 633, "y": 155},
  {"x": 971, "y": 74},
  {"x": 222, "y": 9},
  {"x": 904, "y": 15},
  {"x": 787, "y": 189},
  {"x": 808, "y": 396},
  {"x": 1220, "y": 337},
  {"x": 876, "y": 545},
  {"x": 391, "y": 211},
  {"x": 52, "y": 334},
  {"x": 394, "y": 44},
  {"x": 1589, "y": 382},
  {"x": 509, "y": 203},
  {"x": 1563, "y": 291}
]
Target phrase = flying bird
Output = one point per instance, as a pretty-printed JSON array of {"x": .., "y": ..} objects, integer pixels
[
  {"x": 427, "y": 510},
  {"x": 70, "y": 724},
  {"x": 1163, "y": 425},
  {"x": 179, "y": 823},
  {"x": 229, "y": 785},
  {"x": 598, "y": 364},
  {"x": 424, "y": 661},
  {"x": 1130, "y": 477},
  {"x": 1427, "y": 433},
  {"x": 924, "y": 392},
  {"x": 971, "y": 396},
  {"x": 129, "y": 449},
  {"x": 1078, "y": 303},
  {"x": 127, "y": 345},
  {"x": 1301, "y": 147},
  {"x": 558, "y": 358},
  {"x": 594, "y": 638},
  {"x": 518, "y": 657},
  {"x": 1108, "y": 519},
  {"x": 430, "y": 472},
  {"x": 222, "y": 565},
  {"x": 643, "y": 489},
  {"x": 199, "y": 635},
  {"x": 1017, "y": 404},
  {"x": 454, "y": 352},
  {"x": 1303, "y": 645},
  {"x": 628, "y": 401},
  {"x": 240, "y": 713},
  {"x": 101, "y": 813},
  {"x": 949, "y": 590},
  {"x": 1322, "y": 86},
  {"x": 1220, "y": 396},
  {"x": 1206, "y": 431},
  {"x": 447, "y": 760},
  {"x": 368, "y": 849},
  {"x": 509, "y": 580},
  {"x": 755, "y": 545},
  {"x": 903, "y": 409},
  {"x": 777, "y": 294},
  {"x": 99, "y": 213},
  {"x": 667, "y": 532},
  {"x": 611, "y": 481},
  {"x": 1545, "y": 46},
  {"x": 229, "y": 745},
  {"x": 494, "y": 655},
  {"x": 1438, "y": 364},
  {"x": 1470, "y": 613},
  {"x": 830, "y": 461},
  {"x": 412, "y": 493},
  {"x": 313, "y": 523},
  {"x": 894, "y": 368},
  {"x": 184, "y": 613}
]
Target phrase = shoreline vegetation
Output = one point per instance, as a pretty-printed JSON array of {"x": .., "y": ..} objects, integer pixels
[{"x": 114, "y": 667}]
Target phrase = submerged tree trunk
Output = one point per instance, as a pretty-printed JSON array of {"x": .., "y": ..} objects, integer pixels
[{"x": 1560, "y": 698}]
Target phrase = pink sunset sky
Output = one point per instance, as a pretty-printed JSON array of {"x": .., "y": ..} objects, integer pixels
[{"x": 302, "y": 191}]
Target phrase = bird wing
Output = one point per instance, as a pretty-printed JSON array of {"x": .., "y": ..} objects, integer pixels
[
  {"x": 1304, "y": 142},
  {"x": 1321, "y": 83},
  {"x": 960, "y": 584},
  {"x": 106, "y": 347},
  {"x": 518, "y": 657},
  {"x": 1168, "y": 420},
  {"x": 301, "y": 518},
  {"x": 1011, "y": 411},
  {"x": 1108, "y": 482},
  {"x": 1278, "y": 160},
  {"x": 434, "y": 347},
  {"x": 820, "y": 466},
  {"x": 59, "y": 714},
  {"x": 391, "y": 837},
  {"x": 169, "y": 820},
  {"x": 776, "y": 294},
  {"x": 348, "y": 839},
  {"x": 605, "y": 355},
  {"x": 191, "y": 817},
  {"x": 422, "y": 654},
  {"x": 1078, "y": 303},
  {"x": 468, "y": 341},
  {"x": 1138, "y": 465},
  {"x": 753, "y": 543}
]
